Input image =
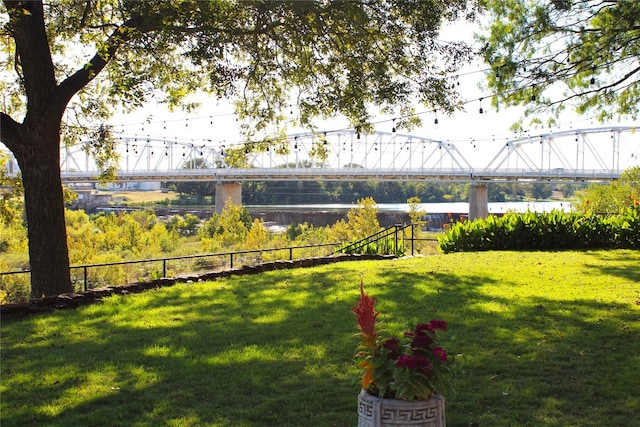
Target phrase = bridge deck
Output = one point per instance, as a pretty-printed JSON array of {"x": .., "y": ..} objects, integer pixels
[
  {"x": 583, "y": 155},
  {"x": 350, "y": 174}
]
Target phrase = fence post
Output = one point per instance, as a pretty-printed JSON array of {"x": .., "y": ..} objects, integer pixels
[
  {"x": 164, "y": 268},
  {"x": 396, "y": 237},
  {"x": 290, "y": 254},
  {"x": 85, "y": 277},
  {"x": 231, "y": 261},
  {"x": 412, "y": 241}
]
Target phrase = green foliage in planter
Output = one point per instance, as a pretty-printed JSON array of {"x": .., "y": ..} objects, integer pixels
[
  {"x": 382, "y": 246},
  {"x": 545, "y": 231},
  {"x": 387, "y": 246}
]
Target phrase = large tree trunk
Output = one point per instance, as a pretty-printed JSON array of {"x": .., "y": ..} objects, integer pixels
[
  {"x": 36, "y": 145},
  {"x": 44, "y": 205}
]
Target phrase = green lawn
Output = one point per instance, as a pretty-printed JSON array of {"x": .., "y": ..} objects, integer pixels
[{"x": 543, "y": 339}]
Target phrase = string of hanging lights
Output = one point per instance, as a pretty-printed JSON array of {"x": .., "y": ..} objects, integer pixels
[
  {"x": 290, "y": 107},
  {"x": 357, "y": 130},
  {"x": 226, "y": 143}
]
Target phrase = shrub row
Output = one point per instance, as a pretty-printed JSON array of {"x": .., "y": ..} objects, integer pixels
[{"x": 545, "y": 231}]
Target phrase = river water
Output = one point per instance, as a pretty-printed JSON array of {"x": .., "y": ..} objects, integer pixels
[
  {"x": 389, "y": 214},
  {"x": 455, "y": 208}
]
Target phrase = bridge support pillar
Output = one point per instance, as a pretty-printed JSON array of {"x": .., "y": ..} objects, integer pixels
[
  {"x": 478, "y": 201},
  {"x": 226, "y": 191}
]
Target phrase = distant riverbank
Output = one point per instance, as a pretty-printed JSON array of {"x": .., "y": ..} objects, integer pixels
[
  {"x": 389, "y": 214},
  {"x": 322, "y": 215}
]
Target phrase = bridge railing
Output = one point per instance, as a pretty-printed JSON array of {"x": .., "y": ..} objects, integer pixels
[{"x": 327, "y": 174}]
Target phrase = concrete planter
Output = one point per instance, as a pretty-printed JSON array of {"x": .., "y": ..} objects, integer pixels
[{"x": 376, "y": 412}]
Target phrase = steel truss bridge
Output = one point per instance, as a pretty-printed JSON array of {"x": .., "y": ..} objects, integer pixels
[{"x": 578, "y": 155}]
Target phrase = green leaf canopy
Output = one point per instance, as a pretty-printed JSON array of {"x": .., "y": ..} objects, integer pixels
[{"x": 551, "y": 54}]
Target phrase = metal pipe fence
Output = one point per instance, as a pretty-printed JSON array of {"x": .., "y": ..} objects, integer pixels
[{"x": 90, "y": 276}]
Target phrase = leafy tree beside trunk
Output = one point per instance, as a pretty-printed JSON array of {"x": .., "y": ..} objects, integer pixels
[
  {"x": 67, "y": 63},
  {"x": 550, "y": 55}
]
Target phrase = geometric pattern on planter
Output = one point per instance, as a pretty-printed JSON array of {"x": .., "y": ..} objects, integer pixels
[{"x": 376, "y": 412}]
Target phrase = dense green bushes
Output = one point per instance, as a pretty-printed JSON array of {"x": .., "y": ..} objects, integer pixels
[
  {"x": 139, "y": 235},
  {"x": 545, "y": 231}
]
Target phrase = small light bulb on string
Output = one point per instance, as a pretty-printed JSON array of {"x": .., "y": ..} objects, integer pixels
[
  {"x": 481, "y": 110},
  {"x": 393, "y": 129},
  {"x": 435, "y": 121},
  {"x": 592, "y": 81},
  {"x": 186, "y": 123}
]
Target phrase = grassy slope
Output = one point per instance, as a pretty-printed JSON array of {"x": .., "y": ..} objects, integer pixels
[{"x": 544, "y": 339}]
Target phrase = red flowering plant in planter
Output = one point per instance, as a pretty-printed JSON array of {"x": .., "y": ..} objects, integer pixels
[{"x": 412, "y": 367}]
